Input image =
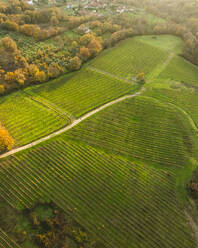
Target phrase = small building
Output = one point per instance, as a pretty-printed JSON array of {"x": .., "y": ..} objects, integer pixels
[{"x": 84, "y": 29}]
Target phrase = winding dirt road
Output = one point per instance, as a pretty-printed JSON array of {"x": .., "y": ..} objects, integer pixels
[{"x": 74, "y": 123}]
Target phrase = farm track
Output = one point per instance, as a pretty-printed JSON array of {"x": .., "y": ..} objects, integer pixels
[
  {"x": 111, "y": 74},
  {"x": 74, "y": 123},
  {"x": 51, "y": 107}
]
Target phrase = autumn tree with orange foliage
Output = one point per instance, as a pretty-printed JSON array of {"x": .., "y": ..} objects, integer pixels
[
  {"x": 95, "y": 47},
  {"x": 74, "y": 64},
  {"x": 17, "y": 76},
  {"x": 84, "y": 53},
  {"x": 6, "y": 141}
]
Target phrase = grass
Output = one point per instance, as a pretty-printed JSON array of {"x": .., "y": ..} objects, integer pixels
[
  {"x": 132, "y": 58},
  {"x": 142, "y": 128},
  {"x": 123, "y": 204},
  {"x": 181, "y": 70},
  {"x": 82, "y": 92},
  {"x": 167, "y": 42},
  {"x": 27, "y": 120}
]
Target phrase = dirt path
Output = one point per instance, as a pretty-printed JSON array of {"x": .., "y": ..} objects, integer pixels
[
  {"x": 111, "y": 75},
  {"x": 193, "y": 226},
  {"x": 50, "y": 106},
  {"x": 74, "y": 123}
]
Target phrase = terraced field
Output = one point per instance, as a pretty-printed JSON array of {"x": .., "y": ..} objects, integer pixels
[
  {"x": 181, "y": 70},
  {"x": 122, "y": 204},
  {"x": 142, "y": 128},
  {"x": 132, "y": 58},
  {"x": 27, "y": 120},
  {"x": 82, "y": 92}
]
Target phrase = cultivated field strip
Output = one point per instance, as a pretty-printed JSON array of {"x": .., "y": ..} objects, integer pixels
[
  {"x": 6, "y": 242},
  {"x": 141, "y": 127},
  {"x": 175, "y": 93},
  {"x": 121, "y": 203},
  {"x": 27, "y": 120},
  {"x": 83, "y": 92},
  {"x": 129, "y": 58},
  {"x": 181, "y": 70}
]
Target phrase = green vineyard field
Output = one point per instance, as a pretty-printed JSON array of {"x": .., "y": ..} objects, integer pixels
[
  {"x": 6, "y": 242},
  {"x": 120, "y": 203},
  {"x": 27, "y": 120},
  {"x": 83, "y": 92},
  {"x": 143, "y": 128},
  {"x": 175, "y": 93},
  {"x": 129, "y": 58},
  {"x": 181, "y": 70}
]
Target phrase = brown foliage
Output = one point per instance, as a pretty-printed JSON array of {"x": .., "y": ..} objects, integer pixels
[
  {"x": 95, "y": 47},
  {"x": 84, "y": 53},
  {"x": 74, "y": 64},
  {"x": 6, "y": 141}
]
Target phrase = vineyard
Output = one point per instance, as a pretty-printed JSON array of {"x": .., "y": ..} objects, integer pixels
[
  {"x": 175, "y": 93},
  {"x": 132, "y": 58},
  {"x": 181, "y": 70},
  {"x": 83, "y": 92},
  {"x": 142, "y": 128},
  {"x": 123, "y": 204},
  {"x": 28, "y": 120},
  {"x": 6, "y": 242},
  {"x": 118, "y": 173}
]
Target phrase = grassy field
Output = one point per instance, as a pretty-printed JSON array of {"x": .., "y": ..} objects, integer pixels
[
  {"x": 84, "y": 91},
  {"x": 142, "y": 128},
  {"x": 181, "y": 70},
  {"x": 123, "y": 204},
  {"x": 167, "y": 42},
  {"x": 28, "y": 120},
  {"x": 132, "y": 58}
]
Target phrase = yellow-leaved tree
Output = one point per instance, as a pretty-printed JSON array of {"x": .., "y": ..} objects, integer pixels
[{"x": 6, "y": 141}]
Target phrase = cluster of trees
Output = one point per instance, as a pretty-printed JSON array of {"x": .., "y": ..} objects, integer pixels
[
  {"x": 6, "y": 141},
  {"x": 21, "y": 17},
  {"x": 16, "y": 71},
  {"x": 182, "y": 20}
]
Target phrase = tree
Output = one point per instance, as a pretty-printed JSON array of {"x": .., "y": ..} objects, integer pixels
[
  {"x": 41, "y": 76},
  {"x": 8, "y": 44},
  {"x": 54, "y": 20},
  {"x": 84, "y": 53},
  {"x": 6, "y": 141},
  {"x": 141, "y": 77},
  {"x": 2, "y": 89},
  {"x": 74, "y": 64},
  {"x": 9, "y": 25},
  {"x": 54, "y": 71},
  {"x": 95, "y": 47},
  {"x": 17, "y": 76},
  {"x": 85, "y": 39}
]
